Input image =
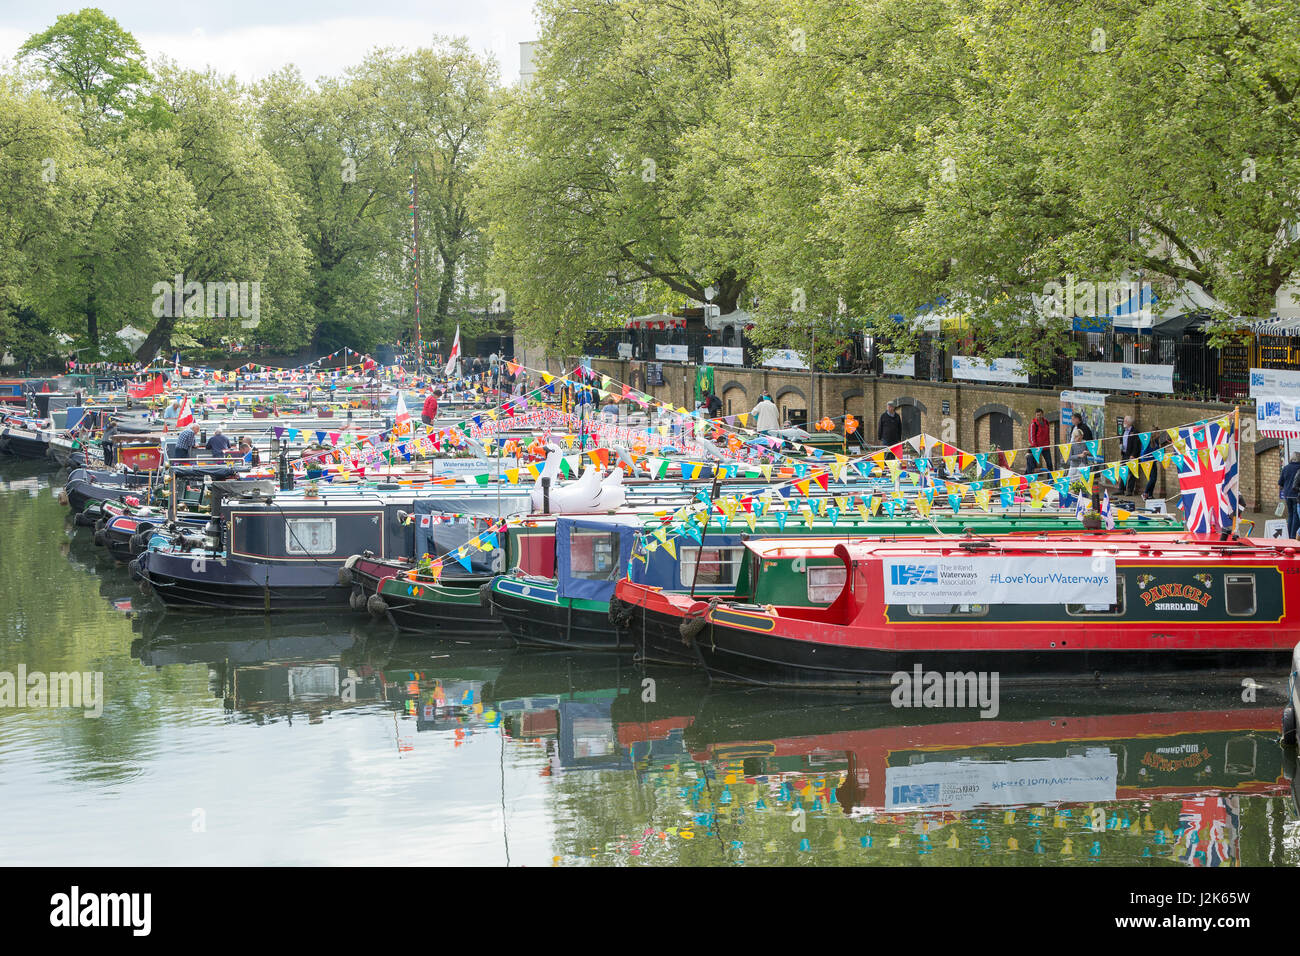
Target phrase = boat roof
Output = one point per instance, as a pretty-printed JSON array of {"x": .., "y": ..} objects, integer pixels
[{"x": 1117, "y": 543}]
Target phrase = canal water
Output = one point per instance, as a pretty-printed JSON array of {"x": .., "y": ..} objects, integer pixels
[{"x": 325, "y": 739}]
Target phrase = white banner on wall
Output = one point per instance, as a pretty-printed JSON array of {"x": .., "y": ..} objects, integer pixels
[
  {"x": 967, "y": 784},
  {"x": 1277, "y": 416},
  {"x": 1124, "y": 377},
  {"x": 896, "y": 364},
  {"x": 625, "y": 350},
  {"x": 786, "y": 358},
  {"x": 1038, "y": 580},
  {"x": 671, "y": 353},
  {"x": 1274, "y": 382},
  {"x": 723, "y": 355},
  {"x": 995, "y": 370}
]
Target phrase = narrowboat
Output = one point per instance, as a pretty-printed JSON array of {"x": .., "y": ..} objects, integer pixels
[
  {"x": 807, "y": 575},
  {"x": 566, "y": 603},
  {"x": 285, "y": 553},
  {"x": 451, "y": 606},
  {"x": 1060, "y": 609}
]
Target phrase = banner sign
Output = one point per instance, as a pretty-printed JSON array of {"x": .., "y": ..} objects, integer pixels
[
  {"x": 1277, "y": 416},
  {"x": 1274, "y": 382},
  {"x": 995, "y": 370},
  {"x": 967, "y": 784},
  {"x": 1124, "y": 377},
  {"x": 724, "y": 355},
  {"x": 461, "y": 466},
  {"x": 786, "y": 358},
  {"x": 671, "y": 353},
  {"x": 893, "y": 363},
  {"x": 625, "y": 350},
  {"x": 974, "y": 580}
]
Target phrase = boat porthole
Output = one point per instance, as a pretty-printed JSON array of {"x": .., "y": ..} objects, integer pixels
[
  {"x": 1053, "y": 643},
  {"x": 1062, "y": 643}
]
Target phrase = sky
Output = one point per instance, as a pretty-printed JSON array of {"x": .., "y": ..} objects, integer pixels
[{"x": 251, "y": 38}]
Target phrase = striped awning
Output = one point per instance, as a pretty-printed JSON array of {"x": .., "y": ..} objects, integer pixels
[{"x": 1277, "y": 326}]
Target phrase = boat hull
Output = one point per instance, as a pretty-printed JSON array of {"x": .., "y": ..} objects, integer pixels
[
  {"x": 188, "y": 581},
  {"x": 449, "y": 609},
  {"x": 744, "y": 645},
  {"x": 536, "y": 616}
]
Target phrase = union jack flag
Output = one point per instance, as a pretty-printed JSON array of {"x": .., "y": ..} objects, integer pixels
[{"x": 1207, "y": 476}]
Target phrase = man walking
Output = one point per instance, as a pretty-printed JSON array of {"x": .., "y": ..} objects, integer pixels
[
  {"x": 1040, "y": 437},
  {"x": 889, "y": 431},
  {"x": 1288, "y": 490}
]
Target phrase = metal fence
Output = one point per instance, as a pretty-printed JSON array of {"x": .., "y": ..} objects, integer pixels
[{"x": 1200, "y": 372}]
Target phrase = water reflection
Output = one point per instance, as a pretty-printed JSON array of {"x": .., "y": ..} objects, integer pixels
[{"x": 328, "y": 738}]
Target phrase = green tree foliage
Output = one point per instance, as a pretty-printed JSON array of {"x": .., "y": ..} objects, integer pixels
[{"x": 595, "y": 185}]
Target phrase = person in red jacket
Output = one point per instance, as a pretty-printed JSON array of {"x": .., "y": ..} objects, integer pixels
[
  {"x": 1040, "y": 436},
  {"x": 430, "y": 410}
]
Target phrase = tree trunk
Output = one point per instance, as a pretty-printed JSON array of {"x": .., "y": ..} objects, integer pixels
[{"x": 158, "y": 339}]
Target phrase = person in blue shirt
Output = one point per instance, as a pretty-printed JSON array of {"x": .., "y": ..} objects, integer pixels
[{"x": 218, "y": 444}]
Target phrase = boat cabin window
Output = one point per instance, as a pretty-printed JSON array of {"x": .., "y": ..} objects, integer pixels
[
  {"x": 1239, "y": 593},
  {"x": 309, "y": 536},
  {"x": 1101, "y": 610},
  {"x": 718, "y": 566},
  {"x": 826, "y": 583},
  {"x": 593, "y": 555},
  {"x": 947, "y": 610}
]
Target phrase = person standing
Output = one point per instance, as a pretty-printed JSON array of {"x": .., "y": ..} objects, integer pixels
[
  {"x": 889, "y": 431},
  {"x": 218, "y": 444},
  {"x": 186, "y": 440},
  {"x": 1040, "y": 437},
  {"x": 430, "y": 410},
  {"x": 712, "y": 404},
  {"x": 1080, "y": 424},
  {"x": 765, "y": 415},
  {"x": 1288, "y": 491},
  {"x": 1130, "y": 449},
  {"x": 1157, "y": 441}
]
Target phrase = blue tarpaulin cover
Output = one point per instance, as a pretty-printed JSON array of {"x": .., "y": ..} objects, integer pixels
[{"x": 584, "y": 585}]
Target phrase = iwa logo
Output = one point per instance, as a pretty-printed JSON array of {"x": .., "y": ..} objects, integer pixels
[
  {"x": 208, "y": 300},
  {"x": 902, "y": 575}
]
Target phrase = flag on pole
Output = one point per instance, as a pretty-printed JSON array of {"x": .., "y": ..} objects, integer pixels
[
  {"x": 454, "y": 357},
  {"x": 184, "y": 417},
  {"x": 403, "y": 420}
]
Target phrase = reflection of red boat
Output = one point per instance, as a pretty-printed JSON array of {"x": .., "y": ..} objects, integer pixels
[
  {"x": 963, "y": 765},
  {"x": 1060, "y": 609}
]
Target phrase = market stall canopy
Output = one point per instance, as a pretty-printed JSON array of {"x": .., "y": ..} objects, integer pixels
[{"x": 1276, "y": 326}]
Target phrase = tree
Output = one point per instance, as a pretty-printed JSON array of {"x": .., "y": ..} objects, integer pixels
[
  {"x": 91, "y": 61},
  {"x": 594, "y": 184},
  {"x": 245, "y": 228}
]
